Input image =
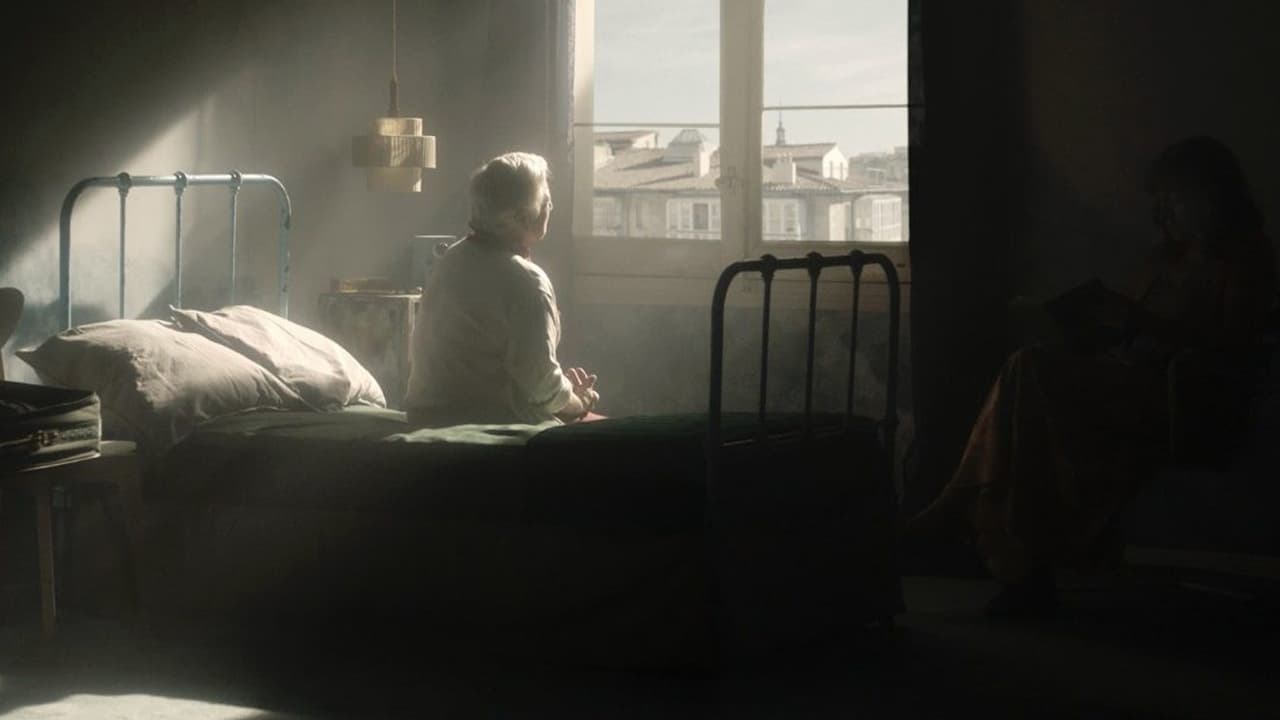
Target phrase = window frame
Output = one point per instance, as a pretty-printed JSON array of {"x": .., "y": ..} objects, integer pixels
[{"x": 610, "y": 269}]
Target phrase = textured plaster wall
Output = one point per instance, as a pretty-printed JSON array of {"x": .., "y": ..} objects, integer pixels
[{"x": 152, "y": 87}]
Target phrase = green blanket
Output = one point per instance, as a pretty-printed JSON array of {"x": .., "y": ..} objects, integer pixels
[{"x": 360, "y": 423}]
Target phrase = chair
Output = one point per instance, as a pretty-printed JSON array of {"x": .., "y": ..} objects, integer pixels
[
  {"x": 11, "y": 303},
  {"x": 111, "y": 477},
  {"x": 1212, "y": 507}
]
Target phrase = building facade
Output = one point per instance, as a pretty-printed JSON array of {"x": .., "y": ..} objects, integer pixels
[{"x": 811, "y": 192}]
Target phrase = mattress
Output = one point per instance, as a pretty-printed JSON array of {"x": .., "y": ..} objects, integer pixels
[
  {"x": 620, "y": 474},
  {"x": 357, "y": 459}
]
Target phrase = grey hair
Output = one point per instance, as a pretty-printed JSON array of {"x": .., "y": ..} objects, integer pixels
[{"x": 508, "y": 194}]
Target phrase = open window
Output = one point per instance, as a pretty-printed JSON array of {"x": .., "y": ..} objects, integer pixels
[{"x": 708, "y": 131}]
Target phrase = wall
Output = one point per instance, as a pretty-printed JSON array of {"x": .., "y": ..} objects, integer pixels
[
  {"x": 1103, "y": 87},
  {"x": 153, "y": 87},
  {"x": 1042, "y": 116}
]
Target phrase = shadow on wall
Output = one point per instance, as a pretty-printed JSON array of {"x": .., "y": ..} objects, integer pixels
[
  {"x": 207, "y": 87},
  {"x": 85, "y": 105},
  {"x": 1073, "y": 229}
]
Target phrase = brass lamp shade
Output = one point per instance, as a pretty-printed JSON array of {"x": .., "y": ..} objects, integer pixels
[{"x": 394, "y": 154}]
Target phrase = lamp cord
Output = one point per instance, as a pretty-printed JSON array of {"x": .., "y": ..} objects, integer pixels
[{"x": 394, "y": 108}]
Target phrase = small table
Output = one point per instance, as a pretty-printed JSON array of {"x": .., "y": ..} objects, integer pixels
[
  {"x": 377, "y": 329},
  {"x": 117, "y": 469}
]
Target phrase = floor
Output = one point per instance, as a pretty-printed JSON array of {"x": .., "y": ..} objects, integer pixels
[{"x": 1146, "y": 648}]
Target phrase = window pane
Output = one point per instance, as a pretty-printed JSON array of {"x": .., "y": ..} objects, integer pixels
[
  {"x": 701, "y": 217},
  {"x": 657, "y": 103},
  {"x": 836, "y": 175},
  {"x": 606, "y": 216},
  {"x": 835, "y": 52},
  {"x": 657, "y": 61}
]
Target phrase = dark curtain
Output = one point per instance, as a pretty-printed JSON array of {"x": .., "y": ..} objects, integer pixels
[{"x": 963, "y": 190}]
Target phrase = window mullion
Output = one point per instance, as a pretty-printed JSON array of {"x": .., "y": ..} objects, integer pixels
[{"x": 741, "y": 81}]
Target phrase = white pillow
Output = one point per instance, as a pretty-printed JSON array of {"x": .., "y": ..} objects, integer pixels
[
  {"x": 324, "y": 374},
  {"x": 155, "y": 381}
]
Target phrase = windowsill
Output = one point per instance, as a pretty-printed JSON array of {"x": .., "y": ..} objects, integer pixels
[
  {"x": 835, "y": 291},
  {"x": 630, "y": 255}
]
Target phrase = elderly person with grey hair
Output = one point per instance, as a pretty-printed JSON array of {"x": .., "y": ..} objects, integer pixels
[{"x": 484, "y": 346}]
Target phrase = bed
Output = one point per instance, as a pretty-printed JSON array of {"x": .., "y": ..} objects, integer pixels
[{"x": 659, "y": 541}]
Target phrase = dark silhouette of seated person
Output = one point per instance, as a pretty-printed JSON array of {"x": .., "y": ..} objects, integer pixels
[{"x": 1070, "y": 431}]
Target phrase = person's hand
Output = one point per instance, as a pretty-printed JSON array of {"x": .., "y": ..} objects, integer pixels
[
  {"x": 589, "y": 399},
  {"x": 580, "y": 379},
  {"x": 584, "y": 385}
]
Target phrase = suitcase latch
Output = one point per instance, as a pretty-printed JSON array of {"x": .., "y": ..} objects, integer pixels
[{"x": 34, "y": 441}]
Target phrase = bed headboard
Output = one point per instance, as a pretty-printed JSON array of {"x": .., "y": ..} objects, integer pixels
[
  {"x": 179, "y": 182},
  {"x": 814, "y": 263}
]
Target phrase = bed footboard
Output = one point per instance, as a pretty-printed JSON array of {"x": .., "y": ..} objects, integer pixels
[
  {"x": 814, "y": 264},
  {"x": 801, "y": 555}
]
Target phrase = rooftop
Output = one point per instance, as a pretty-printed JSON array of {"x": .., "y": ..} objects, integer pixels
[
  {"x": 810, "y": 150},
  {"x": 607, "y": 135},
  {"x": 644, "y": 169},
  {"x": 689, "y": 136}
]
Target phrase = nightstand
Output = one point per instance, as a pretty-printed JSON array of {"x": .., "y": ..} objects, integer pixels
[
  {"x": 115, "y": 475},
  {"x": 377, "y": 329}
]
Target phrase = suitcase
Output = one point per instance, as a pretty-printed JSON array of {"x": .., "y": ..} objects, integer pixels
[{"x": 42, "y": 426}]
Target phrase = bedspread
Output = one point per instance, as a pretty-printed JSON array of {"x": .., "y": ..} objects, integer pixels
[{"x": 357, "y": 459}]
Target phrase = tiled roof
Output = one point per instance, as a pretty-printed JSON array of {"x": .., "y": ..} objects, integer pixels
[
  {"x": 624, "y": 133},
  {"x": 606, "y": 135},
  {"x": 628, "y": 172},
  {"x": 689, "y": 136},
  {"x": 645, "y": 170},
  {"x": 812, "y": 150},
  {"x": 809, "y": 181}
]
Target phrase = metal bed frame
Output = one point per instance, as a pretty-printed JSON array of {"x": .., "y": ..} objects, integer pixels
[
  {"x": 803, "y": 439},
  {"x": 814, "y": 263},
  {"x": 179, "y": 181}
]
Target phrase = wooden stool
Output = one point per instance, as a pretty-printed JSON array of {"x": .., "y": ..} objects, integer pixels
[{"x": 115, "y": 472}]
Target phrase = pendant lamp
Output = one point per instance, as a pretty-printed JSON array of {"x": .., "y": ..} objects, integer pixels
[{"x": 395, "y": 151}]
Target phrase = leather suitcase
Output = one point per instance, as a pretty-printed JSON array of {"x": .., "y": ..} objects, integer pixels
[{"x": 43, "y": 426}]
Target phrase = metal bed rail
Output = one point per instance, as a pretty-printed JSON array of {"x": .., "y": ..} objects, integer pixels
[
  {"x": 814, "y": 263},
  {"x": 179, "y": 181}
]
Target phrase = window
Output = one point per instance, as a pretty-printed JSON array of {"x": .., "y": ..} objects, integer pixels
[
  {"x": 878, "y": 219},
  {"x": 606, "y": 215},
  {"x": 727, "y": 127},
  {"x": 698, "y": 219},
  {"x": 835, "y": 90},
  {"x": 781, "y": 219}
]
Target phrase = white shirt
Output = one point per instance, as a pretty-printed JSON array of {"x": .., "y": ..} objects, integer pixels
[{"x": 484, "y": 344}]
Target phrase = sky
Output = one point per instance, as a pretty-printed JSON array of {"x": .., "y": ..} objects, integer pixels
[{"x": 658, "y": 61}]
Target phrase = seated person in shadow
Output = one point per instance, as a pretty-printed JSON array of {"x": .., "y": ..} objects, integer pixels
[
  {"x": 484, "y": 344},
  {"x": 1069, "y": 431}
]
